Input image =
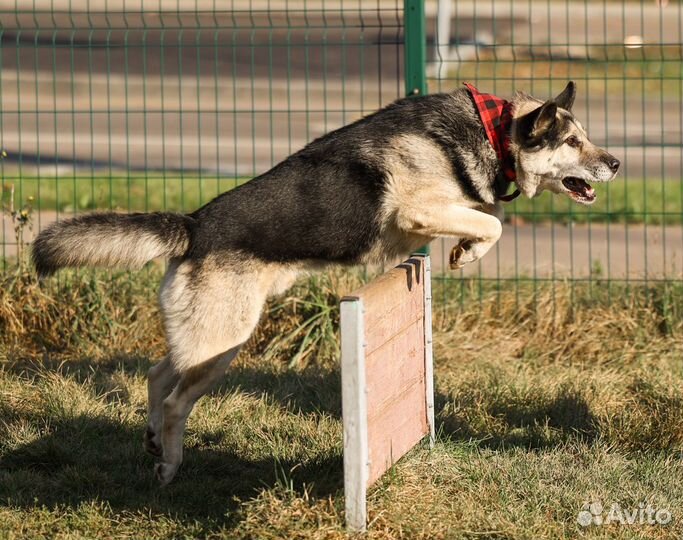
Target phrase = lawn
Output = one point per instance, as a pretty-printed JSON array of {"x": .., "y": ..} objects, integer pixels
[
  {"x": 610, "y": 69},
  {"x": 118, "y": 191},
  {"x": 544, "y": 404},
  {"x": 652, "y": 200}
]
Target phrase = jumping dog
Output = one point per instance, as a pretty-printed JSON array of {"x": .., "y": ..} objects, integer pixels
[{"x": 369, "y": 192}]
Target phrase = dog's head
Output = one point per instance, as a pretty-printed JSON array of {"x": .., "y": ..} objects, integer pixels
[{"x": 552, "y": 150}]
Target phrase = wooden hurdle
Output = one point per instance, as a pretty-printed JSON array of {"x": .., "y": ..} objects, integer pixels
[{"x": 387, "y": 377}]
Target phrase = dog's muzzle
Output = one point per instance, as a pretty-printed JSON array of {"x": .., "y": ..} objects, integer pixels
[{"x": 579, "y": 190}]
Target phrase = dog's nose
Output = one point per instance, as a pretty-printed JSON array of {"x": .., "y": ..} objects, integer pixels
[{"x": 614, "y": 164}]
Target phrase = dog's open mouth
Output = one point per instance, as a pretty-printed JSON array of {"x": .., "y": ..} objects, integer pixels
[{"x": 579, "y": 190}]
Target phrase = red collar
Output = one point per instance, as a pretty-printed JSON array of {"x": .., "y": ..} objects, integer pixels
[{"x": 496, "y": 115}]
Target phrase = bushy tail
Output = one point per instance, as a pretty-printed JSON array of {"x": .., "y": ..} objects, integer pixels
[{"x": 109, "y": 239}]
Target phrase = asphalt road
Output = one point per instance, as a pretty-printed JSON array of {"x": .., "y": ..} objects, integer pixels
[
  {"x": 617, "y": 251},
  {"x": 236, "y": 91}
]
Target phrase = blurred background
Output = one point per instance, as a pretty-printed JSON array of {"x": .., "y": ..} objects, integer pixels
[{"x": 157, "y": 104}]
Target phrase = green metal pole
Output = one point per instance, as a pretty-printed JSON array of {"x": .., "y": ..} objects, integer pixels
[
  {"x": 414, "y": 54},
  {"x": 414, "y": 41}
]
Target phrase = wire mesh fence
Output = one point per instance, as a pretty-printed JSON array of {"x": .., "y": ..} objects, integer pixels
[
  {"x": 626, "y": 60},
  {"x": 164, "y": 104}
]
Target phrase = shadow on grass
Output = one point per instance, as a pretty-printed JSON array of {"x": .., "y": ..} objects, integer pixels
[
  {"x": 95, "y": 458},
  {"x": 534, "y": 424},
  {"x": 308, "y": 391},
  {"x": 87, "y": 459},
  {"x": 92, "y": 458},
  {"x": 311, "y": 390}
]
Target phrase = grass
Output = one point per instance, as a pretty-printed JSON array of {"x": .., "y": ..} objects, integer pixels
[
  {"x": 652, "y": 201},
  {"x": 544, "y": 404},
  {"x": 610, "y": 69},
  {"x": 632, "y": 201},
  {"x": 120, "y": 191}
]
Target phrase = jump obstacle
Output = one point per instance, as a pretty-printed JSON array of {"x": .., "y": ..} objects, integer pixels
[{"x": 387, "y": 377}]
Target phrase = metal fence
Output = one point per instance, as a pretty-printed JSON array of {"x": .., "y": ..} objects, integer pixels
[
  {"x": 166, "y": 104},
  {"x": 625, "y": 57},
  {"x": 163, "y": 104}
]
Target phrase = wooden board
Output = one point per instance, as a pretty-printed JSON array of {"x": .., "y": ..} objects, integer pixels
[
  {"x": 387, "y": 387},
  {"x": 391, "y": 302}
]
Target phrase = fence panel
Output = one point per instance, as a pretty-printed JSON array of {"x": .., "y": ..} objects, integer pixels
[
  {"x": 161, "y": 104},
  {"x": 626, "y": 60}
]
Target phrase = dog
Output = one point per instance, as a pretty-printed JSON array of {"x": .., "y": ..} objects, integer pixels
[{"x": 369, "y": 192}]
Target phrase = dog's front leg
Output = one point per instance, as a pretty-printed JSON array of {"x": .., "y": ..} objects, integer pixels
[
  {"x": 496, "y": 210},
  {"x": 478, "y": 231},
  {"x": 465, "y": 250}
]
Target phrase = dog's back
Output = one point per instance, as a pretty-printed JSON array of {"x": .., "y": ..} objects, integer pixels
[{"x": 323, "y": 203}]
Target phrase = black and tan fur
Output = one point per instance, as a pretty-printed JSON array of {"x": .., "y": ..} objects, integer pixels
[{"x": 368, "y": 192}]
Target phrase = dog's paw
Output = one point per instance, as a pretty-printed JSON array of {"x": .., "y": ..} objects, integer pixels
[
  {"x": 462, "y": 254},
  {"x": 165, "y": 472},
  {"x": 152, "y": 443}
]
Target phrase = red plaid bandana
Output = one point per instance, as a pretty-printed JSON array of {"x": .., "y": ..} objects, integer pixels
[{"x": 496, "y": 115}]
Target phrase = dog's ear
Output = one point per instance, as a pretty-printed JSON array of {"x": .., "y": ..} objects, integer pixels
[
  {"x": 565, "y": 99},
  {"x": 534, "y": 126},
  {"x": 547, "y": 116}
]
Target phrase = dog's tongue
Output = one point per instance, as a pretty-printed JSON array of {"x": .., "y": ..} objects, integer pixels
[{"x": 579, "y": 186}]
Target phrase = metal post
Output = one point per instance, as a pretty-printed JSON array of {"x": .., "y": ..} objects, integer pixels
[
  {"x": 443, "y": 37},
  {"x": 414, "y": 53},
  {"x": 414, "y": 41},
  {"x": 429, "y": 355},
  {"x": 354, "y": 412}
]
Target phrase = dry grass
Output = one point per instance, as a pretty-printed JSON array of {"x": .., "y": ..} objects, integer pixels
[{"x": 544, "y": 402}]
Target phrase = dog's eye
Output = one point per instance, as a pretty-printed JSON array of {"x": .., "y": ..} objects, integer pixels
[{"x": 573, "y": 141}]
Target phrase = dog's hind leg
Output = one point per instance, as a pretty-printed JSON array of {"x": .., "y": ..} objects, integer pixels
[
  {"x": 193, "y": 384},
  {"x": 210, "y": 309},
  {"x": 161, "y": 379}
]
